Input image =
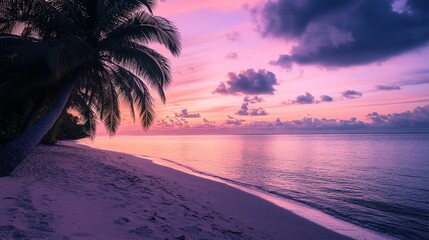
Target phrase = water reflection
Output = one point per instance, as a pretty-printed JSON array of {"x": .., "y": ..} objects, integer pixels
[{"x": 370, "y": 180}]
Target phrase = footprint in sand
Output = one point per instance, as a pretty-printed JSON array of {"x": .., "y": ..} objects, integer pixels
[{"x": 122, "y": 220}]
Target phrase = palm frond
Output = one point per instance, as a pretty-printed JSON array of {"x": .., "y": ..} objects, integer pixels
[
  {"x": 102, "y": 95},
  {"x": 145, "y": 28},
  {"x": 69, "y": 54},
  {"x": 70, "y": 9},
  {"x": 112, "y": 116},
  {"x": 120, "y": 11},
  {"x": 40, "y": 15},
  {"x": 141, "y": 96},
  {"x": 124, "y": 89},
  {"x": 146, "y": 62},
  {"x": 92, "y": 85},
  {"x": 22, "y": 53},
  {"x": 79, "y": 102}
]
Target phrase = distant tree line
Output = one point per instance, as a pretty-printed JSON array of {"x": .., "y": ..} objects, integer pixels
[{"x": 69, "y": 127}]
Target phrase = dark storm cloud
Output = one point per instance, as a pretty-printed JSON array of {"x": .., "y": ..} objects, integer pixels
[
  {"x": 248, "y": 82},
  {"x": 388, "y": 87},
  {"x": 350, "y": 94},
  {"x": 344, "y": 32},
  {"x": 185, "y": 114}
]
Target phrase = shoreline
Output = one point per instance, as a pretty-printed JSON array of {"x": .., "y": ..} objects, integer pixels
[
  {"x": 320, "y": 218},
  {"x": 72, "y": 191}
]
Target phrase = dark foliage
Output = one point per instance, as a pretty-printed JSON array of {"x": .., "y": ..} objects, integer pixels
[
  {"x": 10, "y": 126},
  {"x": 72, "y": 129},
  {"x": 105, "y": 40},
  {"x": 84, "y": 54},
  {"x": 68, "y": 127}
]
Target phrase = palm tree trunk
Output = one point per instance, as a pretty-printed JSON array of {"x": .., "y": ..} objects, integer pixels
[
  {"x": 12, "y": 154},
  {"x": 52, "y": 136}
]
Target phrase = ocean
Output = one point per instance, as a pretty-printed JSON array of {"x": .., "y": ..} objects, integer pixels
[{"x": 378, "y": 182}]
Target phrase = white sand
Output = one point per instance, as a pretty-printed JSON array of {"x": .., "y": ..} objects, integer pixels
[{"x": 75, "y": 192}]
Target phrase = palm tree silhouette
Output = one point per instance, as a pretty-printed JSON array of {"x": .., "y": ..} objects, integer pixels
[{"x": 94, "y": 51}]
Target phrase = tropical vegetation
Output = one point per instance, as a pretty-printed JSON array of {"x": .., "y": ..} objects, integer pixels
[{"x": 85, "y": 55}]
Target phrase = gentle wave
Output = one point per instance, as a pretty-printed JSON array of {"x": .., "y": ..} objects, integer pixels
[{"x": 357, "y": 234}]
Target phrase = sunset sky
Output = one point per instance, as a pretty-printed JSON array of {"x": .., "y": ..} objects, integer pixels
[{"x": 291, "y": 65}]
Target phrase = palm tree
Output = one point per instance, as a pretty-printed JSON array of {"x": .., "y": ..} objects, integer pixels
[
  {"x": 27, "y": 82},
  {"x": 96, "y": 53}
]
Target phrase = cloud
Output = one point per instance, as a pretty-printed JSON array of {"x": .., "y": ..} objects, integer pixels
[
  {"x": 387, "y": 87},
  {"x": 304, "y": 99},
  {"x": 338, "y": 33},
  {"x": 350, "y": 94},
  {"x": 254, "y": 99},
  {"x": 309, "y": 124},
  {"x": 257, "y": 112},
  {"x": 419, "y": 81},
  {"x": 322, "y": 124},
  {"x": 284, "y": 61},
  {"x": 233, "y": 36},
  {"x": 207, "y": 124},
  {"x": 232, "y": 55},
  {"x": 422, "y": 79},
  {"x": 185, "y": 114},
  {"x": 173, "y": 122},
  {"x": 164, "y": 124},
  {"x": 326, "y": 98},
  {"x": 178, "y": 121},
  {"x": 308, "y": 98},
  {"x": 245, "y": 111},
  {"x": 416, "y": 119},
  {"x": 205, "y": 120},
  {"x": 233, "y": 121},
  {"x": 248, "y": 82}
]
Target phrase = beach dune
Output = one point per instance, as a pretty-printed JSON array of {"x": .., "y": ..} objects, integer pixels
[{"x": 72, "y": 191}]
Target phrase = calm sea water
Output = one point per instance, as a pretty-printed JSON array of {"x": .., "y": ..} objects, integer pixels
[{"x": 378, "y": 182}]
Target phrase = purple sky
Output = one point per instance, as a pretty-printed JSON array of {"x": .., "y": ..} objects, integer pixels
[{"x": 295, "y": 66}]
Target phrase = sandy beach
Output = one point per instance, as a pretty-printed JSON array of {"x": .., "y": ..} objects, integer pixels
[{"x": 72, "y": 191}]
